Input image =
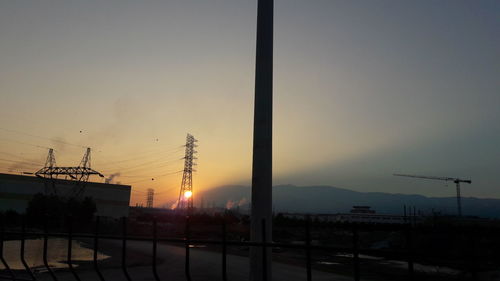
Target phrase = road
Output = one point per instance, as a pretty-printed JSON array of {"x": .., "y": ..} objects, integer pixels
[{"x": 205, "y": 265}]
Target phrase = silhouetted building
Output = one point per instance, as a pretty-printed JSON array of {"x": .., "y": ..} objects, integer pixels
[
  {"x": 362, "y": 210},
  {"x": 358, "y": 214},
  {"x": 112, "y": 200}
]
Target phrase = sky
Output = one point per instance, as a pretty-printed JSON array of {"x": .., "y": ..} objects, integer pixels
[{"x": 362, "y": 90}]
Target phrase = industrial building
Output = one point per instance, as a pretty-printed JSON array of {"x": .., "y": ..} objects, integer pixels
[
  {"x": 358, "y": 214},
  {"x": 112, "y": 200}
]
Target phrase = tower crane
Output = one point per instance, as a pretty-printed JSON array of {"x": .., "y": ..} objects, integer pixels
[{"x": 457, "y": 182}]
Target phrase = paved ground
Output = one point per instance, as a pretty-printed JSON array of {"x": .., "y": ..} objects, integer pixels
[{"x": 205, "y": 265}]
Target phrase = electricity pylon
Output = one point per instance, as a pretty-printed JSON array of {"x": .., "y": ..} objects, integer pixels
[
  {"x": 185, "y": 201},
  {"x": 51, "y": 159},
  {"x": 79, "y": 174},
  {"x": 149, "y": 198}
]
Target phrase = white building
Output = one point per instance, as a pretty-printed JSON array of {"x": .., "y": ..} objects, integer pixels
[
  {"x": 112, "y": 200},
  {"x": 358, "y": 214}
]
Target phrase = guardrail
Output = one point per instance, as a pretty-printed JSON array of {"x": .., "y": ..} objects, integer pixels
[{"x": 408, "y": 253}]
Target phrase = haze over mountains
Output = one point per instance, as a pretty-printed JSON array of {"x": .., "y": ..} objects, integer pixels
[{"x": 329, "y": 199}]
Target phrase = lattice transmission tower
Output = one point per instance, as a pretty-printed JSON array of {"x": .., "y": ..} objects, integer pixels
[
  {"x": 185, "y": 201},
  {"x": 79, "y": 174},
  {"x": 149, "y": 198},
  {"x": 51, "y": 159}
]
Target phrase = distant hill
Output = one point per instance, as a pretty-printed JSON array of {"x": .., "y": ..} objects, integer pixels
[{"x": 329, "y": 199}]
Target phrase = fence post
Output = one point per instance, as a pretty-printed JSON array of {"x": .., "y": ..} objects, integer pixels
[
  {"x": 471, "y": 252},
  {"x": 2, "y": 237},
  {"x": 96, "y": 248},
  {"x": 124, "y": 248},
  {"x": 409, "y": 251},
  {"x": 70, "y": 247},
  {"x": 155, "y": 242},
  {"x": 224, "y": 251},
  {"x": 23, "y": 242},
  {"x": 186, "y": 245},
  {"x": 308, "y": 248},
  {"x": 355, "y": 251},
  {"x": 264, "y": 250},
  {"x": 45, "y": 246}
]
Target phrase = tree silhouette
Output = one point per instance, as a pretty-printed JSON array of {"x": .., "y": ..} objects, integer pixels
[{"x": 54, "y": 208}]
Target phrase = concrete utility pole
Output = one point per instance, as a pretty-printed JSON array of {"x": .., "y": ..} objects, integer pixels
[{"x": 262, "y": 143}]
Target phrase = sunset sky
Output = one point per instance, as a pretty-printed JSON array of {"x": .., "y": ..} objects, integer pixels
[{"x": 362, "y": 89}]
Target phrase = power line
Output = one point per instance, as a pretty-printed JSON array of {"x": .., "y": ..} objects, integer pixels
[
  {"x": 141, "y": 164},
  {"x": 109, "y": 163},
  {"x": 40, "y": 137},
  {"x": 146, "y": 168},
  {"x": 144, "y": 155},
  {"x": 23, "y": 143},
  {"x": 154, "y": 177},
  {"x": 17, "y": 156},
  {"x": 145, "y": 174},
  {"x": 21, "y": 162}
]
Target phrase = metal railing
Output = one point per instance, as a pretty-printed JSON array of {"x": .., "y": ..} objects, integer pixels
[{"x": 407, "y": 254}]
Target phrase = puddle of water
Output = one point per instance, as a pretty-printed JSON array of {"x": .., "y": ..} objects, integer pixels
[
  {"x": 56, "y": 253},
  {"x": 327, "y": 263},
  {"x": 425, "y": 268},
  {"x": 197, "y": 246},
  {"x": 404, "y": 264},
  {"x": 360, "y": 256}
]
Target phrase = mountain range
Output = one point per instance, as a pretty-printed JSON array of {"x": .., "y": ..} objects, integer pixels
[{"x": 330, "y": 200}]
